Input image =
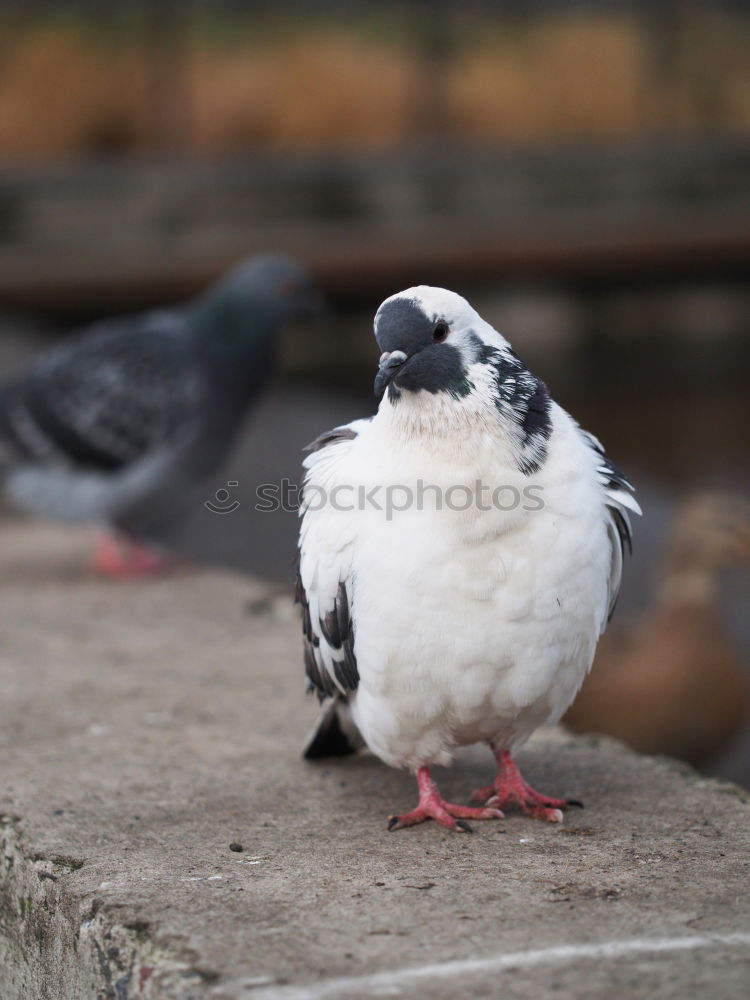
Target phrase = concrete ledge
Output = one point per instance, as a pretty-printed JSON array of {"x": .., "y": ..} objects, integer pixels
[
  {"x": 54, "y": 943},
  {"x": 145, "y": 728}
]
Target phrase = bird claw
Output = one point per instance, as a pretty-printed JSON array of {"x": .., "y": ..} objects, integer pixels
[
  {"x": 510, "y": 787},
  {"x": 536, "y": 809},
  {"x": 544, "y": 812},
  {"x": 446, "y": 813},
  {"x": 433, "y": 806},
  {"x": 487, "y": 795}
]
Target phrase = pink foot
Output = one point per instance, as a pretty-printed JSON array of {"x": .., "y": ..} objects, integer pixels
[
  {"x": 433, "y": 806},
  {"x": 123, "y": 559},
  {"x": 510, "y": 788}
]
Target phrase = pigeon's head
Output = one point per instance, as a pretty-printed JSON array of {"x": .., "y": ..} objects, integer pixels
[
  {"x": 430, "y": 338},
  {"x": 441, "y": 360},
  {"x": 256, "y": 298}
]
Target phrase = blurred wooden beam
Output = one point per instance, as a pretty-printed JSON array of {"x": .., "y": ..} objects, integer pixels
[{"x": 115, "y": 233}]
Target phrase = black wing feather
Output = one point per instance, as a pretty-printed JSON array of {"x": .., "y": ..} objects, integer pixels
[
  {"x": 330, "y": 660},
  {"x": 330, "y": 437},
  {"x": 337, "y": 632},
  {"x": 619, "y": 500}
]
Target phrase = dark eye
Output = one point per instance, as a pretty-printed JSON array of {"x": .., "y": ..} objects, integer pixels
[{"x": 440, "y": 332}]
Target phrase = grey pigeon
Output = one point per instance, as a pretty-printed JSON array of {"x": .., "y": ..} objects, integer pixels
[{"x": 117, "y": 425}]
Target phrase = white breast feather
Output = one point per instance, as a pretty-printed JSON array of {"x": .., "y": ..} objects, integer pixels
[{"x": 468, "y": 625}]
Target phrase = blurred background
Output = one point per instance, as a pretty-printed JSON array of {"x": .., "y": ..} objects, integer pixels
[{"x": 579, "y": 170}]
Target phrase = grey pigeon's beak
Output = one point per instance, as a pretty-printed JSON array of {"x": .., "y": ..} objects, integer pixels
[{"x": 390, "y": 362}]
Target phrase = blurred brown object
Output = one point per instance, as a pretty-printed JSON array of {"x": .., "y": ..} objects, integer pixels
[
  {"x": 673, "y": 683},
  {"x": 222, "y": 78}
]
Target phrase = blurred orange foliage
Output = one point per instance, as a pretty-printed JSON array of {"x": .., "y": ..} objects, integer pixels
[
  {"x": 65, "y": 89},
  {"x": 60, "y": 93}
]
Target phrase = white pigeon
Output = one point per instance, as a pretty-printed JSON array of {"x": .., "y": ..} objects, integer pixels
[{"x": 460, "y": 555}]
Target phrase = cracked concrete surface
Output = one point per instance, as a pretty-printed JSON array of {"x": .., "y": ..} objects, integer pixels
[{"x": 146, "y": 727}]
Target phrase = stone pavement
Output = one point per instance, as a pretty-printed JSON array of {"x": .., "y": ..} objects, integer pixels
[{"x": 146, "y": 727}]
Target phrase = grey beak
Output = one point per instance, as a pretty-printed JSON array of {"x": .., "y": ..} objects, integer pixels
[{"x": 390, "y": 362}]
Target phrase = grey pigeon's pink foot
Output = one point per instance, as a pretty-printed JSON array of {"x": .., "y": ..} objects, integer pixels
[
  {"x": 124, "y": 559},
  {"x": 510, "y": 788},
  {"x": 433, "y": 806}
]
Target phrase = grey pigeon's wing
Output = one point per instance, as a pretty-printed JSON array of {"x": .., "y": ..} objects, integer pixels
[
  {"x": 106, "y": 400},
  {"x": 620, "y": 501}
]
